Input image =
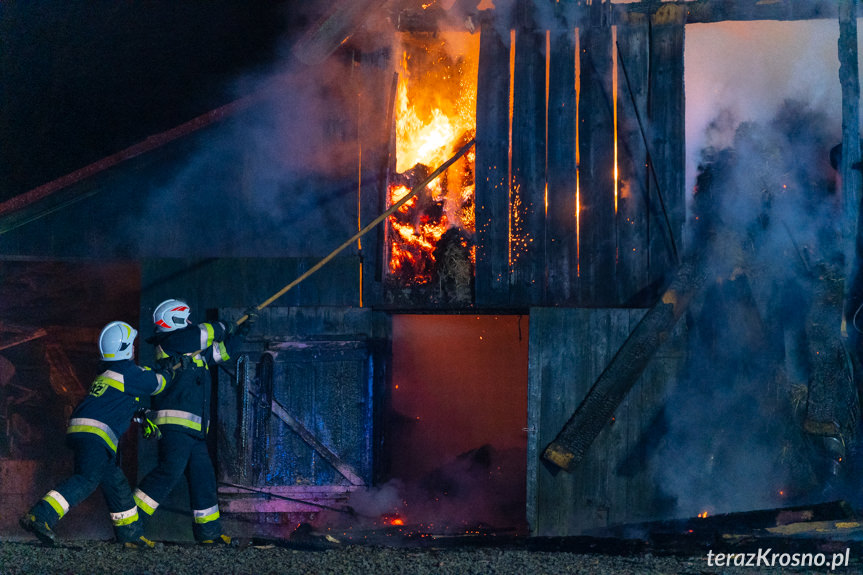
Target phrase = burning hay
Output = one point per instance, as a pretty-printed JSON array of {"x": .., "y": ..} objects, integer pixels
[{"x": 435, "y": 107}]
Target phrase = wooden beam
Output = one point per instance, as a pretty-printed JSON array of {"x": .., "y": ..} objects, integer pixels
[
  {"x": 597, "y": 408},
  {"x": 706, "y": 11},
  {"x": 16, "y": 335}
]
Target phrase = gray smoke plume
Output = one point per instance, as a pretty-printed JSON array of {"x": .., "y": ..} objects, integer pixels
[{"x": 763, "y": 112}]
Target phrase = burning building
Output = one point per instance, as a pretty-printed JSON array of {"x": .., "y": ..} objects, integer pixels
[{"x": 497, "y": 347}]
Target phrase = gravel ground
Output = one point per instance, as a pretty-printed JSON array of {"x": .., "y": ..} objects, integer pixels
[{"x": 88, "y": 557}]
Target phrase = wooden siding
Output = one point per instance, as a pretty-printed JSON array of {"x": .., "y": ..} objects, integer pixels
[
  {"x": 531, "y": 247},
  {"x": 569, "y": 348}
]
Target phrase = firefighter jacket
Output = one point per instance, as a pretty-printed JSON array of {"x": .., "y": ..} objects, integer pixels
[
  {"x": 185, "y": 406},
  {"x": 114, "y": 396}
]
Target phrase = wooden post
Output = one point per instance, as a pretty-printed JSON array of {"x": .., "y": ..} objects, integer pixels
[
  {"x": 667, "y": 155},
  {"x": 851, "y": 179},
  {"x": 492, "y": 165}
]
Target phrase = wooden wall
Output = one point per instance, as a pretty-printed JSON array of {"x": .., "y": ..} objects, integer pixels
[
  {"x": 569, "y": 348},
  {"x": 603, "y": 69}
]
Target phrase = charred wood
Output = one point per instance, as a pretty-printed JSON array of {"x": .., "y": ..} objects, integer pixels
[
  {"x": 832, "y": 408},
  {"x": 704, "y": 11},
  {"x": 742, "y": 522}
]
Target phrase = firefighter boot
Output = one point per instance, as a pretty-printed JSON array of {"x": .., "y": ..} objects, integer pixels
[
  {"x": 37, "y": 527},
  {"x": 220, "y": 541},
  {"x": 141, "y": 543}
]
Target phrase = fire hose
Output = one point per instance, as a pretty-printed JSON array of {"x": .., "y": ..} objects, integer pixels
[{"x": 368, "y": 227}]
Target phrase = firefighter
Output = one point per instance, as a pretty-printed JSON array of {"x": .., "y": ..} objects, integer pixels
[
  {"x": 183, "y": 416},
  {"x": 95, "y": 427}
]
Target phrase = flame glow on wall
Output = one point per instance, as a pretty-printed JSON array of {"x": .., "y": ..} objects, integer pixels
[{"x": 435, "y": 114}]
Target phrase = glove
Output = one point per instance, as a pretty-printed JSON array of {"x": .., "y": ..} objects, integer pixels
[
  {"x": 148, "y": 428},
  {"x": 140, "y": 415},
  {"x": 242, "y": 329},
  {"x": 181, "y": 360},
  {"x": 151, "y": 430}
]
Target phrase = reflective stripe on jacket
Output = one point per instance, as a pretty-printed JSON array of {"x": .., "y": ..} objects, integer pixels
[
  {"x": 107, "y": 410},
  {"x": 177, "y": 417},
  {"x": 185, "y": 405}
]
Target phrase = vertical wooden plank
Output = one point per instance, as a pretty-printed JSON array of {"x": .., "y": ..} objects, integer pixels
[
  {"x": 535, "y": 401},
  {"x": 596, "y": 169},
  {"x": 665, "y": 110},
  {"x": 550, "y": 401},
  {"x": 561, "y": 239},
  {"x": 492, "y": 164},
  {"x": 296, "y": 393},
  {"x": 527, "y": 189},
  {"x": 374, "y": 125},
  {"x": 633, "y": 218}
]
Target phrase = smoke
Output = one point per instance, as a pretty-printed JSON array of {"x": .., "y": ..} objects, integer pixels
[
  {"x": 745, "y": 70},
  {"x": 271, "y": 179},
  {"x": 480, "y": 489},
  {"x": 763, "y": 111}
]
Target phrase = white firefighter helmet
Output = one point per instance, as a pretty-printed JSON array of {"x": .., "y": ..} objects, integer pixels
[
  {"x": 171, "y": 314},
  {"x": 115, "y": 341}
]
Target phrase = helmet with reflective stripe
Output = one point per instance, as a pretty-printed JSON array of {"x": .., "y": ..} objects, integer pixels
[
  {"x": 171, "y": 314},
  {"x": 115, "y": 341}
]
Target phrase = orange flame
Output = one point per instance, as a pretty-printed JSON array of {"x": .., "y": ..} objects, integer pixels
[{"x": 435, "y": 114}]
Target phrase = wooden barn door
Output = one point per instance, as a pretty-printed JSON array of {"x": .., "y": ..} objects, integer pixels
[
  {"x": 569, "y": 349},
  {"x": 295, "y": 411}
]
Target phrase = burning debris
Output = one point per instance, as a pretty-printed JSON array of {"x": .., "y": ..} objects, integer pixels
[{"x": 435, "y": 115}]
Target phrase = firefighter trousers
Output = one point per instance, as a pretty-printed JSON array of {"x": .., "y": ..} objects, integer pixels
[
  {"x": 95, "y": 466},
  {"x": 181, "y": 453}
]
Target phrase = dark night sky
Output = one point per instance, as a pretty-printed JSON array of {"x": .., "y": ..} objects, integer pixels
[{"x": 81, "y": 81}]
